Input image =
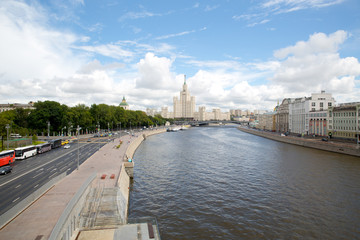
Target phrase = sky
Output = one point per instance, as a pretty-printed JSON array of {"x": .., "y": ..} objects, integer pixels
[{"x": 234, "y": 54}]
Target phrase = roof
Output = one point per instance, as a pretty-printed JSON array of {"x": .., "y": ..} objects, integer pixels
[{"x": 123, "y": 102}]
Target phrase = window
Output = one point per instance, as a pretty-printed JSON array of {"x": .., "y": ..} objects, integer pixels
[
  {"x": 321, "y": 104},
  {"x": 313, "y": 109},
  {"x": 329, "y": 104},
  {"x": 313, "y": 104}
]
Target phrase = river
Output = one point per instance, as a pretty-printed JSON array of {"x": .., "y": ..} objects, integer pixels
[{"x": 221, "y": 183}]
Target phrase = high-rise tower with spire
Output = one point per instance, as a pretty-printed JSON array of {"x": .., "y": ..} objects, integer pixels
[{"x": 185, "y": 106}]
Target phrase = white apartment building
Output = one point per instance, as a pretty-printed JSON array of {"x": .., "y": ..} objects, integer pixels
[
  {"x": 151, "y": 112},
  {"x": 300, "y": 108},
  {"x": 165, "y": 113},
  {"x": 184, "y": 107},
  {"x": 216, "y": 114}
]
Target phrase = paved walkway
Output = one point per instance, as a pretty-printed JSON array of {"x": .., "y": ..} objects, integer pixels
[
  {"x": 38, "y": 220},
  {"x": 333, "y": 145}
]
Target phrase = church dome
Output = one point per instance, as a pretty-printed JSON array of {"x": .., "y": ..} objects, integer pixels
[{"x": 124, "y": 104}]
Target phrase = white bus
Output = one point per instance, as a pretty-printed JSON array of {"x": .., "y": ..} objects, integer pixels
[{"x": 25, "y": 152}]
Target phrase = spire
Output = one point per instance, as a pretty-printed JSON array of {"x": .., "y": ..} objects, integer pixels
[{"x": 184, "y": 79}]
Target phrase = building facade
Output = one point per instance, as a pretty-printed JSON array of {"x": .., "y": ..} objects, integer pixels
[
  {"x": 300, "y": 108},
  {"x": 7, "y": 107},
  {"x": 185, "y": 106},
  {"x": 344, "y": 121},
  {"x": 267, "y": 121},
  {"x": 318, "y": 123},
  {"x": 282, "y": 116}
]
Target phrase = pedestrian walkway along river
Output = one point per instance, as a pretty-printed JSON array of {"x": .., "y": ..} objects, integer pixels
[{"x": 221, "y": 183}]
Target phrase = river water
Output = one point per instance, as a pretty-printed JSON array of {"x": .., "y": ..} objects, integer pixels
[{"x": 221, "y": 183}]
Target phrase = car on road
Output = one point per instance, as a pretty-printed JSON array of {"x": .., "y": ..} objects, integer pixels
[
  {"x": 65, "y": 142},
  {"x": 89, "y": 140},
  {"x": 67, "y": 146},
  {"x": 5, "y": 169}
]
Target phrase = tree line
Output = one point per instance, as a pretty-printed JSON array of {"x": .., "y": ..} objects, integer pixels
[{"x": 62, "y": 119}]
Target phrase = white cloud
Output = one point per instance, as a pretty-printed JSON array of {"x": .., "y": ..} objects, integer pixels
[
  {"x": 155, "y": 73},
  {"x": 266, "y": 9},
  {"x": 27, "y": 44},
  {"x": 137, "y": 15},
  {"x": 96, "y": 65},
  {"x": 284, "y": 6},
  {"x": 315, "y": 65},
  {"x": 108, "y": 50},
  {"x": 179, "y": 34},
  {"x": 209, "y": 8},
  {"x": 232, "y": 90},
  {"x": 317, "y": 43}
]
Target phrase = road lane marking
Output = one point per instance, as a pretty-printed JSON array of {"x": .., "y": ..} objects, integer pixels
[
  {"x": 34, "y": 169},
  {"x": 37, "y": 175},
  {"x": 53, "y": 170},
  {"x": 52, "y": 175},
  {"x": 16, "y": 199},
  {"x": 36, "y": 185},
  {"x": 18, "y": 186}
]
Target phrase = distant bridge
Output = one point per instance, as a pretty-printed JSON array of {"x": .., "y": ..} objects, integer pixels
[{"x": 205, "y": 123}]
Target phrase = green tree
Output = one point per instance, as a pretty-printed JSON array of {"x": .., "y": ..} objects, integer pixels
[{"x": 47, "y": 111}]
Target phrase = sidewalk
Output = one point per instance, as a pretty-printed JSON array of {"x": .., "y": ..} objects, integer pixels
[
  {"x": 317, "y": 143},
  {"x": 38, "y": 220}
]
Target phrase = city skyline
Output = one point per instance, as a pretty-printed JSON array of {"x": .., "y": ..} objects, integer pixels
[{"x": 236, "y": 55}]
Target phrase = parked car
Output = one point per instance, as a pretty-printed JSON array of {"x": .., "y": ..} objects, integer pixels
[
  {"x": 5, "y": 169},
  {"x": 67, "y": 146}
]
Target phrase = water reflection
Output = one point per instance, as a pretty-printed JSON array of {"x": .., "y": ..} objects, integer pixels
[{"x": 220, "y": 183}]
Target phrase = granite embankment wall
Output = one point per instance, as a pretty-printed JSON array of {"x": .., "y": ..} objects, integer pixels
[
  {"x": 343, "y": 148},
  {"x": 136, "y": 143},
  {"x": 124, "y": 177}
]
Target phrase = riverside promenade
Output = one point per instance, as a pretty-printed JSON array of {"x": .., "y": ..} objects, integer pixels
[
  {"x": 102, "y": 168},
  {"x": 317, "y": 143}
]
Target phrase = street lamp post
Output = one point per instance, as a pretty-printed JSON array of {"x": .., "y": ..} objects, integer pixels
[
  {"x": 62, "y": 131},
  {"x": 357, "y": 126},
  {"x": 7, "y": 135},
  {"x": 48, "y": 124},
  {"x": 77, "y": 132},
  {"x": 98, "y": 129}
]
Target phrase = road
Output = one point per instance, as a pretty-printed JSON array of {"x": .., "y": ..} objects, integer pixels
[{"x": 30, "y": 174}]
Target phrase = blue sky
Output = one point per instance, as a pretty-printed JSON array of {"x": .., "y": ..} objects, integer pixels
[{"x": 235, "y": 54}]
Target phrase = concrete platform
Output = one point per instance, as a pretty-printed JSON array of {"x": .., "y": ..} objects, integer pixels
[{"x": 125, "y": 232}]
